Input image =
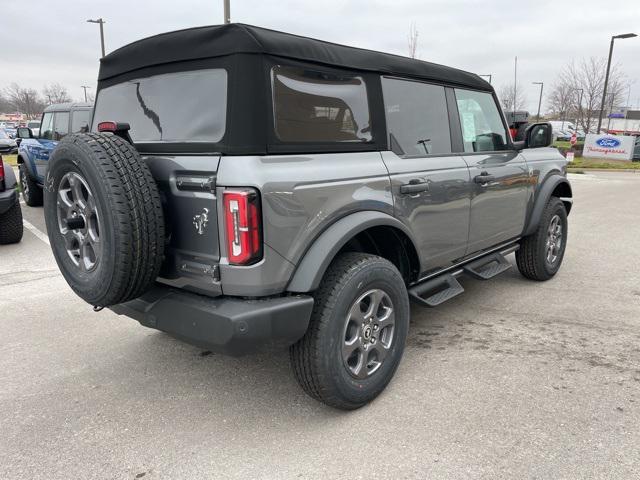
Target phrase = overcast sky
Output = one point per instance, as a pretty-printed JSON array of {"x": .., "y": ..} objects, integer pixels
[{"x": 46, "y": 41}]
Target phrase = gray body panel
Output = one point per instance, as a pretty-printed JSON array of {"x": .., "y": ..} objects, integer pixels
[
  {"x": 191, "y": 258},
  {"x": 303, "y": 194},
  {"x": 318, "y": 200},
  {"x": 439, "y": 216},
  {"x": 498, "y": 208}
]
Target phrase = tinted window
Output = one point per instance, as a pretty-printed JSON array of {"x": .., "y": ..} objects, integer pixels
[
  {"x": 482, "y": 127},
  {"x": 80, "y": 120},
  {"x": 173, "y": 107},
  {"x": 61, "y": 125},
  {"x": 417, "y": 118},
  {"x": 46, "y": 128},
  {"x": 316, "y": 107}
]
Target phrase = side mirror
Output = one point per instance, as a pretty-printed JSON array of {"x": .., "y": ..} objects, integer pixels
[
  {"x": 24, "y": 132},
  {"x": 538, "y": 135}
]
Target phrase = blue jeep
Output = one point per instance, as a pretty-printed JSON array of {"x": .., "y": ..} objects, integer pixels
[{"x": 34, "y": 150}]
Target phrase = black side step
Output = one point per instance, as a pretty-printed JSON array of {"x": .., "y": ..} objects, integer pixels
[
  {"x": 434, "y": 292},
  {"x": 487, "y": 267}
]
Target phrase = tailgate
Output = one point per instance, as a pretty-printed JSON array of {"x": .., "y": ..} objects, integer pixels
[{"x": 187, "y": 190}]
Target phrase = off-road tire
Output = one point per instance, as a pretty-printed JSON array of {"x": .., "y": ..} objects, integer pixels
[
  {"x": 31, "y": 191},
  {"x": 531, "y": 256},
  {"x": 317, "y": 360},
  {"x": 131, "y": 222},
  {"x": 11, "y": 225}
]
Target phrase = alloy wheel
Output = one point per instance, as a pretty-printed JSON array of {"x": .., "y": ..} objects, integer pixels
[
  {"x": 368, "y": 333},
  {"x": 79, "y": 221}
]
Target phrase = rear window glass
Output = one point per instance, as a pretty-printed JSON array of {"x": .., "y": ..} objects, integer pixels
[
  {"x": 417, "y": 117},
  {"x": 172, "y": 107},
  {"x": 319, "y": 107},
  {"x": 80, "y": 120}
]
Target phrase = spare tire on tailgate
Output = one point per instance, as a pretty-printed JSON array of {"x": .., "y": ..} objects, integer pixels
[{"x": 104, "y": 218}]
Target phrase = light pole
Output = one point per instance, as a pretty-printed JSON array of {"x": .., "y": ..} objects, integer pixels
[
  {"x": 487, "y": 75},
  {"x": 227, "y": 11},
  {"x": 101, "y": 22},
  {"x": 84, "y": 87},
  {"x": 606, "y": 77},
  {"x": 539, "y": 101}
]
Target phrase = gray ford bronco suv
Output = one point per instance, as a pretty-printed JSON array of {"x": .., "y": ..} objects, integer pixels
[{"x": 244, "y": 189}]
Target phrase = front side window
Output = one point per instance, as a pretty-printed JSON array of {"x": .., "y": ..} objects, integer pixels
[
  {"x": 172, "y": 107},
  {"x": 80, "y": 120},
  {"x": 482, "y": 127},
  {"x": 46, "y": 128},
  {"x": 318, "y": 107},
  {"x": 61, "y": 125},
  {"x": 417, "y": 117}
]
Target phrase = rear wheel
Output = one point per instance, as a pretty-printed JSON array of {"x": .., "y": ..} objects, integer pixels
[
  {"x": 11, "y": 225},
  {"x": 540, "y": 254},
  {"x": 357, "y": 332},
  {"x": 31, "y": 192}
]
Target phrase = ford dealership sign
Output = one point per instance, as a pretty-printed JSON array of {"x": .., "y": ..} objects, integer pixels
[
  {"x": 608, "y": 146},
  {"x": 608, "y": 142}
]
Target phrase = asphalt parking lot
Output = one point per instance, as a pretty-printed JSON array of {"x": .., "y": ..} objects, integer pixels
[{"x": 513, "y": 379}]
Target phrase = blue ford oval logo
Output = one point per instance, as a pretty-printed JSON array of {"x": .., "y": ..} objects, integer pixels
[{"x": 608, "y": 142}]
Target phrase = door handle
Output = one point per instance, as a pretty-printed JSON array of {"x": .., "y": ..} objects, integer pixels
[
  {"x": 414, "y": 186},
  {"x": 484, "y": 178}
]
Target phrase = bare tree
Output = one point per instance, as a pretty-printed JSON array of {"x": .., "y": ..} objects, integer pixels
[
  {"x": 56, "y": 93},
  {"x": 507, "y": 94},
  {"x": 24, "y": 100},
  {"x": 413, "y": 40},
  {"x": 561, "y": 99},
  {"x": 586, "y": 79},
  {"x": 5, "y": 104}
]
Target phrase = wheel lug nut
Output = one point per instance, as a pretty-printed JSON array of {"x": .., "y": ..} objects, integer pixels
[{"x": 375, "y": 327}]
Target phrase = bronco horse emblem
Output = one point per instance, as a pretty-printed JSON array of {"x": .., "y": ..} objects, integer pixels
[{"x": 201, "y": 220}]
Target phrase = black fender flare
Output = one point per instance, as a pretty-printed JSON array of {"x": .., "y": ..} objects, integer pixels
[
  {"x": 9, "y": 177},
  {"x": 542, "y": 197},
  {"x": 24, "y": 160},
  {"x": 316, "y": 260}
]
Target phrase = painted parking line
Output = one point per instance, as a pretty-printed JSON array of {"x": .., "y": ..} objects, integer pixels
[{"x": 35, "y": 231}]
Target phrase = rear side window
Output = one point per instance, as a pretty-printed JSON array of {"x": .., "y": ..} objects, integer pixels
[
  {"x": 173, "y": 107},
  {"x": 481, "y": 122},
  {"x": 417, "y": 117},
  {"x": 60, "y": 125},
  {"x": 80, "y": 120},
  {"x": 318, "y": 107}
]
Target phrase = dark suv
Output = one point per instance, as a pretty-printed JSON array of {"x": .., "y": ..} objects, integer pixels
[{"x": 244, "y": 188}]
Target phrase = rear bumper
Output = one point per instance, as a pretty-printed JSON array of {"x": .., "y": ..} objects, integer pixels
[
  {"x": 8, "y": 199},
  {"x": 230, "y": 325}
]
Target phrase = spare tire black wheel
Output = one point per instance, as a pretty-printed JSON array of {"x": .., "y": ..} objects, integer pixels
[{"x": 104, "y": 218}]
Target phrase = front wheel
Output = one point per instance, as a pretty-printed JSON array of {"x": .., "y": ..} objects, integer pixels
[
  {"x": 357, "y": 332},
  {"x": 31, "y": 192},
  {"x": 540, "y": 254}
]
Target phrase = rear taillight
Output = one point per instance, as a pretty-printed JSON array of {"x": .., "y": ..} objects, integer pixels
[
  {"x": 107, "y": 126},
  {"x": 1, "y": 169},
  {"x": 242, "y": 226}
]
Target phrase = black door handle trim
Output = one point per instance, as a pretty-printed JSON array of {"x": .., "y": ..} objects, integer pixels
[
  {"x": 484, "y": 179},
  {"x": 412, "y": 188}
]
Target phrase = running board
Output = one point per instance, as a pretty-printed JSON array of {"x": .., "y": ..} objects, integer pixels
[
  {"x": 435, "y": 291},
  {"x": 487, "y": 267}
]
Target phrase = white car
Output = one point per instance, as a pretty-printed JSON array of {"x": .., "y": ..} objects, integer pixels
[{"x": 34, "y": 125}]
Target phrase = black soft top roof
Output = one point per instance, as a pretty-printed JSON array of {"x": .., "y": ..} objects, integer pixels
[{"x": 221, "y": 40}]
